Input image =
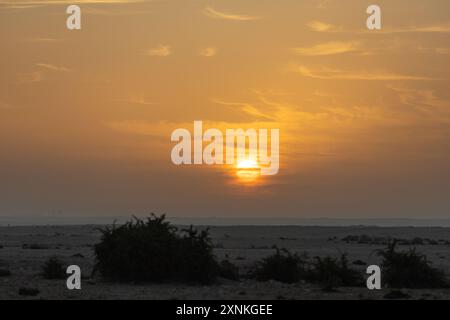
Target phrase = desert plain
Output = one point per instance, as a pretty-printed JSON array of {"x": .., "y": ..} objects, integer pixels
[{"x": 24, "y": 250}]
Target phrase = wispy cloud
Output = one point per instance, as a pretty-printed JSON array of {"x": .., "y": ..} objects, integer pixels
[
  {"x": 320, "y": 26},
  {"x": 18, "y": 7},
  {"x": 30, "y": 4},
  {"x": 423, "y": 29},
  {"x": 247, "y": 108},
  {"x": 136, "y": 101},
  {"x": 323, "y": 4},
  {"x": 435, "y": 50},
  {"x": 160, "y": 51},
  {"x": 113, "y": 11},
  {"x": 39, "y": 75},
  {"x": 208, "y": 52},
  {"x": 326, "y": 73},
  {"x": 41, "y": 40},
  {"x": 30, "y": 77},
  {"x": 329, "y": 48},
  {"x": 215, "y": 14},
  {"x": 425, "y": 102},
  {"x": 52, "y": 67}
]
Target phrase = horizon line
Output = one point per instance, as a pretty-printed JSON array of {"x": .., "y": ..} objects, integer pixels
[{"x": 47, "y": 220}]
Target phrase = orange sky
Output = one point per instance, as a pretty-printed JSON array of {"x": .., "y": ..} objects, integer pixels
[{"x": 86, "y": 116}]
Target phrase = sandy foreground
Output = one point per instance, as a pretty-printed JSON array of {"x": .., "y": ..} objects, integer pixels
[{"x": 242, "y": 245}]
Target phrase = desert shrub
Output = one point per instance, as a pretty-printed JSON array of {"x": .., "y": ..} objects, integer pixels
[
  {"x": 154, "y": 250},
  {"x": 350, "y": 238},
  {"x": 5, "y": 273},
  {"x": 331, "y": 272},
  {"x": 228, "y": 270},
  {"x": 53, "y": 268},
  {"x": 359, "y": 263},
  {"x": 195, "y": 251},
  {"x": 409, "y": 269},
  {"x": 365, "y": 239},
  {"x": 282, "y": 266}
]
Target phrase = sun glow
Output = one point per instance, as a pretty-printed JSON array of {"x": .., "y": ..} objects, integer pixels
[
  {"x": 247, "y": 164},
  {"x": 248, "y": 170}
]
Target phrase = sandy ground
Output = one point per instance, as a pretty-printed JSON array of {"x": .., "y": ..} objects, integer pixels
[{"x": 243, "y": 245}]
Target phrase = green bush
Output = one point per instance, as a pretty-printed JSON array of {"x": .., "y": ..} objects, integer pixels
[
  {"x": 53, "y": 269},
  {"x": 154, "y": 250},
  {"x": 409, "y": 269},
  {"x": 282, "y": 266}
]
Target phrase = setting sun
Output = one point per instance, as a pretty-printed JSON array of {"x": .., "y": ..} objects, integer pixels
[
  {"x": 247, "y": 164},
  {"x": 248, "y": 170}
]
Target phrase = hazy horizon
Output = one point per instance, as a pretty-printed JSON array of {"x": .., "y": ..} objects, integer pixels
[{"x": 226, "y": 221}]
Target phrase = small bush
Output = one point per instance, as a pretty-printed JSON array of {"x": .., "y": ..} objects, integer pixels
[
  {"x": 283, "y": 266},
  {"x": 359, "y": 263},
  {"x": 53, "y": 269},
  {"x": 154, "y": 250},
  {"x": 331, "y": 272},
  {"x": 409, "y": 269},
  {"x": 228, "y": 270},
  {"x": 195, "y": 254}
]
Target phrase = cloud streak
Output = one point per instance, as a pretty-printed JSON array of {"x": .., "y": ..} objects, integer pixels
[
  {"x": 329, "y": 48},
  {"x": 52, "y": 67},
  {"x": 320, "y": 26},
  {"x": 160, "y": 51},
  {"x": 24, "y": 4},
  {"x": 30, "y": 77},
  {"x": 247, "y": 108},
  {"x": 325, "y": 73},
  {"x": 42, "y": 40},
  {"x": 208, "y": 52},
  {"x": 215, "y": 14}
]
